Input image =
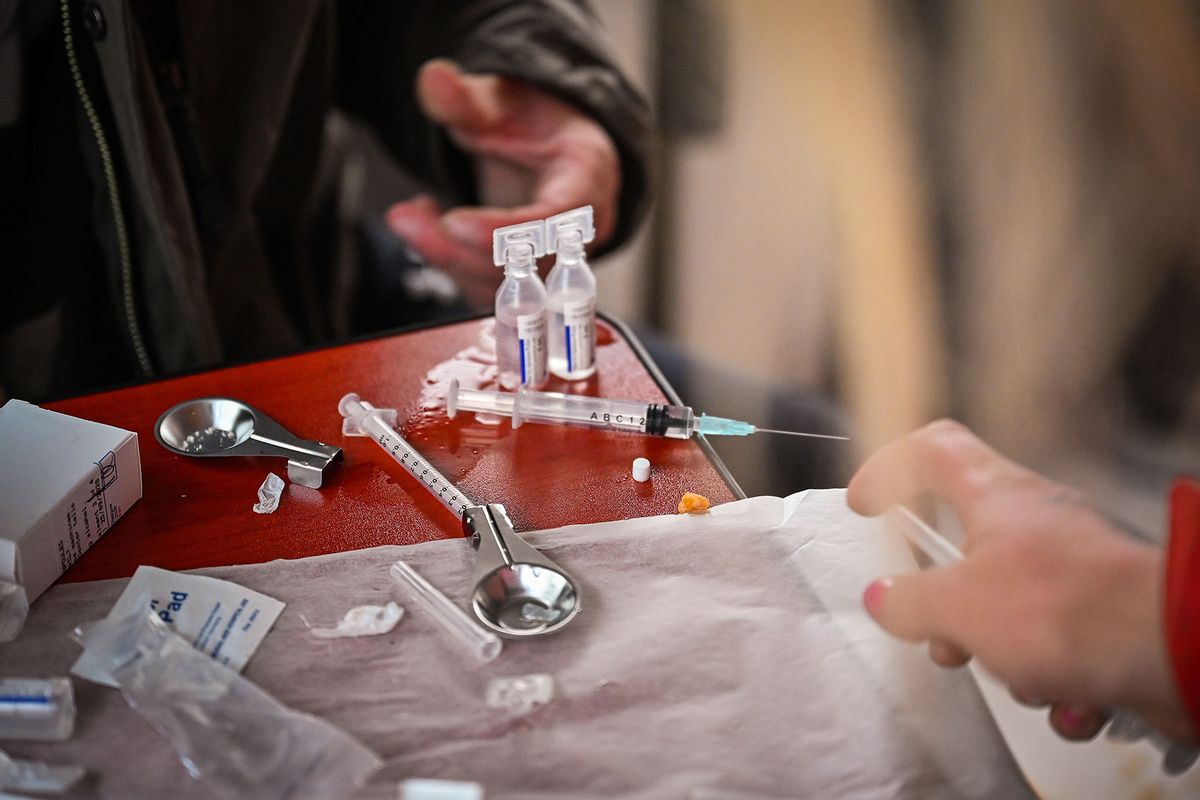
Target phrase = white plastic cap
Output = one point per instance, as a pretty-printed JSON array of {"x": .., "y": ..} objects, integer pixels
[
  {"x": 428, "y": 789},
  {"x": 577, "y": 219},
  {"x": 504, "y": 240},
  {"x": 641, "y": 470}
]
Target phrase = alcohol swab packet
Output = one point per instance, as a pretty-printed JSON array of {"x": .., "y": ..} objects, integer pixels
[{"x": 220, "y": 618}]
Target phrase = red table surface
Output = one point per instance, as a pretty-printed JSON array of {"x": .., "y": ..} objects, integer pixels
[{"x": 196, "y": 512}]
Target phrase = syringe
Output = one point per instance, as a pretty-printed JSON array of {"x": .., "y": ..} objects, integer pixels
[
  {"x": 654, "y": 419},
  {"x": 363, "y": 419}
]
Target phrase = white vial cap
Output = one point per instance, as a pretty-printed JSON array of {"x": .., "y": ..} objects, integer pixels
[
  {"x": 579, "y": 219},
  {"x": 641, "y": 470},
  {"x": 529, "y": 235}
]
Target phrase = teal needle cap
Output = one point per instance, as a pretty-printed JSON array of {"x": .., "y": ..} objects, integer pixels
[{"x": 719, "y": 426}]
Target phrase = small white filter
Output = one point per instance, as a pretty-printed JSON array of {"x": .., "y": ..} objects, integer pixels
[{"x": 641, "y": 470}]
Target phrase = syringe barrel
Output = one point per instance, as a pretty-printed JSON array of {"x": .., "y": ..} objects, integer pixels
[
  {"x": 484, "y": 644},
  {"x": 573, "y": 409},
  {"x": 528, "y": 405},
  {"x": 372, "y": 422},
  {"x": 481, "y": 401}
]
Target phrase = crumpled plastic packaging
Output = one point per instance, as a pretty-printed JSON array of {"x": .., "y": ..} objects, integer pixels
[
  {"x": 237, "y": 739},
  {"x": 14, "y": 607},
  {"x": 520, "y": 694},
  {"x": 269, "y": 494},
  {"x": 363, "y": 621},
  {"x": 37, "y": 776}
]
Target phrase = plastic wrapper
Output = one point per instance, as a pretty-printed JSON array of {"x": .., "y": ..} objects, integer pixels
[
  {"x": 14, "y": 607},
  {"x": 363, "y": 621},
  {"x": 230, "y": 734},
  {"x": 269, "y": 494},
  {"x": 37, "y": 776}
]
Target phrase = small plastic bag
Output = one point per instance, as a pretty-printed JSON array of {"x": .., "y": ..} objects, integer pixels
[
  {"x": 269, "y": 494},
  {"x": 519, "y": 695},
  {"x": 237, "y": 739},
  {"x": 362, "y": 621},
  {"x": 37, "y": 776},
  {"x": 14, "y": 607}
]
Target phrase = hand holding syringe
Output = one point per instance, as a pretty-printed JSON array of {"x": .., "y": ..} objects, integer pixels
[
  {"x": 631, "y": 416},
  {"x": 1123, "y": 724}
]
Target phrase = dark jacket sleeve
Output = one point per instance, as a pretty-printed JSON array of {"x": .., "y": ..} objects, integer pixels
[{"x": 550, "y": 43}]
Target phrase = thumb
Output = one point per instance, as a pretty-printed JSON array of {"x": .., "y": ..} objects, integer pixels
[
  {"x": 911, "y": 607},
  {"x": 452, "y": 98}
]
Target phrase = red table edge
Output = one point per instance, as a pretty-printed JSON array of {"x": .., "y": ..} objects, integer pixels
[
  {"x": 635, "y": 344},
  {"x": 647, "y": 362}
]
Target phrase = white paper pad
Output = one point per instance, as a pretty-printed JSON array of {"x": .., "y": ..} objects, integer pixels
[{"x": 725, "y": 655}]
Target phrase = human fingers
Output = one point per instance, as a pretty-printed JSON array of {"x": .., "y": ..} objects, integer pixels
[
  {"x": 944, "y": 458},
  {"x": 451, "y": 97},
  {"x": 947, "y": 654},
  {"x": 914, "y": 607},
  {"x": 1077, "y": 723},
  {"x": 1029, "y": 700},
  {"x": 420, "y": 223},
  {"x": 579, "y": 174}
]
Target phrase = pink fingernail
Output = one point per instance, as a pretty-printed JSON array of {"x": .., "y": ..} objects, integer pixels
[
  {"x": 1071, "y": 718},
  {"x": 873, "y": 596}
]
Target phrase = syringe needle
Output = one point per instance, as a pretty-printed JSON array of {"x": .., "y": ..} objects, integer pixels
[{"x": 798, "y": 433}]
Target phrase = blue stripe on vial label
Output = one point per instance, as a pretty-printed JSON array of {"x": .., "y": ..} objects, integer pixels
[
  {"x": 570, "y": 354},
  {"x": 521, "y": 349}
]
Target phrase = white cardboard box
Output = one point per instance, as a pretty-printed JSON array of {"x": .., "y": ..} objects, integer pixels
[{"x": 64, "y": 482}]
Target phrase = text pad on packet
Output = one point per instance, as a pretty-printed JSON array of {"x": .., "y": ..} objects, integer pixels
[{"x": 217, "y": 617}]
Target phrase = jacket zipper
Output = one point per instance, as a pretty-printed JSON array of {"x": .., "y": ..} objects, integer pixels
[{"x": 114, "y": 198}]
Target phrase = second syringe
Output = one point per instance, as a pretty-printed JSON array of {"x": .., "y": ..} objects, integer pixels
[{"x": 631, "y": 416}]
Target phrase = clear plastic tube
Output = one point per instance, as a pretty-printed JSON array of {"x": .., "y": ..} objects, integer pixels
[
  {"x": 14, "y": 607},
  {"x": 484, "y": 644},
  {"x": 41, "y": 709}
]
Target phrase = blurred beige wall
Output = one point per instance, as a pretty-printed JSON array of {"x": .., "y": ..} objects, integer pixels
[
  {"x": 628, "y": 25},
  {"x": 795, "y": 243},
  {"x": 750, "y": 249}
]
